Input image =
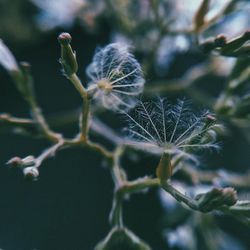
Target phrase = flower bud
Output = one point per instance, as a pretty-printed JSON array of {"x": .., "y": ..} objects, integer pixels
[
  {"x": 220, "y": 41},
  {"x": 15, "y": 162},
  {"x": 234, "y": 45},
  {"x": 122, "y": 238},
  {"x": 31, "y": 173},
  {"x": 19, "y": 162},
  {"x": 216, "y": 198},
  {"x": 68, "y": 57}
]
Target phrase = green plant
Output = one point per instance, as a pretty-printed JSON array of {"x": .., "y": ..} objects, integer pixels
[{"x": 172, "y": 132}]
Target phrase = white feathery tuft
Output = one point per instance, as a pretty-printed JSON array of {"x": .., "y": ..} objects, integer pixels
[
  {"x": 116, "y": 77},
  {"x": 163, "y": 127}
]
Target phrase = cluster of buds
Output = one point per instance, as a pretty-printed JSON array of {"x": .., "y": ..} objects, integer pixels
[{"x": 26, "y": 165}]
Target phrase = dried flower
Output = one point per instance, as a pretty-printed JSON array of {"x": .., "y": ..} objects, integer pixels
[
  {"x": 115, "y": 77},
  {"x": 160, "y": 127}
]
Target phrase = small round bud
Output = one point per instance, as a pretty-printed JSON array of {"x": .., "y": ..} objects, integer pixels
[
  {"x": 15, "y": 162},
  {"x": 31, "y": 173},
  {"x": 220, "y": 41},
  {"x": 216, "y": 198},
  {"x": 64, "y": 38},
  {"x": 68, "y": 57},
  {"x": 229, "y": 196}
]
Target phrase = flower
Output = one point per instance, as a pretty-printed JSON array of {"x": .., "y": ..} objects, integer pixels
[
  {"x": 160, "y": 127},
  {"x": 115, "y": 77}
]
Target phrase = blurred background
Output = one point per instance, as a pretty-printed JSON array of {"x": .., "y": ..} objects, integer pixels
[{"x": 68, "y": 207}]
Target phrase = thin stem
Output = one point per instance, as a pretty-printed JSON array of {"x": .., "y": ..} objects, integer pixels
[
  {"x": 100, "y": 149},
  {"x": 48, "y": 153},
  {"x": 139, "y": 185},
  {"x": 117, "y": 173},
  {"x": 40, "y": 120},
  {"x": 116, "y": 218},
  {"x": 179, "y": 196},
  {"x": 84, "y": 121}
]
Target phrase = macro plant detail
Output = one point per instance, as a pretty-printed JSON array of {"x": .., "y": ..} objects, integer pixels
[
  {"x": 159, "y": 117},
  {"x": 172, "y": 131},
  {"x": 115, "y": 77},
  {"x": 172, "y": 128}
]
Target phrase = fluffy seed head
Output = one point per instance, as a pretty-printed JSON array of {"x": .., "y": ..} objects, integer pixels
[
  {"x": 115, "y": 77},
  {"x": 174, "y": 129}
]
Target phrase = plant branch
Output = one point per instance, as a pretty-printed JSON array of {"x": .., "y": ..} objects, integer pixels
[{"x": 84, "y": 121}]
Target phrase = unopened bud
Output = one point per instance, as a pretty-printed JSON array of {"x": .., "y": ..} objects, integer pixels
[
  {"x": 220, "y": 41},
  {"x": 31, "y": 173},
  {"x": 19, "y": 162},
  {"x": 68, "y": 57},
  {"x": 64, "y": 38},
  {"x": 210, "y": 118},
  {"x": 15, "y": 162},
  {"x": 216, "y": 198},
  {"x": 234, "y": 45}
]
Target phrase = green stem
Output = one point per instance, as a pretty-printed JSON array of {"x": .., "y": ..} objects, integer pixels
[
  {"x": 116, "y": 218},
  {"x": 40, "y": 120},
  {"x": 84, "y": 121},
  {"x": 139, "y": 185},
  {"x": 179, "y": 196}
]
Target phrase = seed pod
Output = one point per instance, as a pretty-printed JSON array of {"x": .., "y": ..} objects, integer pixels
[{"x": 164, "y": 168}]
